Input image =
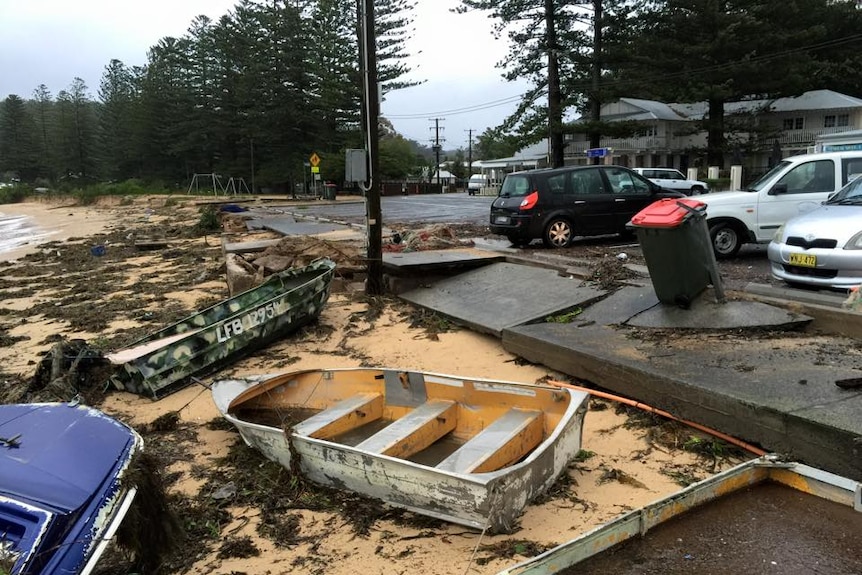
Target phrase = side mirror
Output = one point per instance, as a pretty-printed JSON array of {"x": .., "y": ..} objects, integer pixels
[{"x": 778, "y": 189}]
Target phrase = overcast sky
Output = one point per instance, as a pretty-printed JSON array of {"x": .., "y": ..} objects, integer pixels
[{"x": 52, "y": 42}]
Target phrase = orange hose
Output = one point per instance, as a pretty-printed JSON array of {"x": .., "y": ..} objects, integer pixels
[{"x": 723, "y": 436}]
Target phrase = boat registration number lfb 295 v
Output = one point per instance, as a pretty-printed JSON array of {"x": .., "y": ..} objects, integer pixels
[{"x": 250, "y": 320}]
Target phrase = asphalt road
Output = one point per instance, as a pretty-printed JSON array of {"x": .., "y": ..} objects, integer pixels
[{"x": 458, "y": 207}]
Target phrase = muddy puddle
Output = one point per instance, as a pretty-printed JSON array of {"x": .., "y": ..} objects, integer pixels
[{"x": 766, "y": 528}]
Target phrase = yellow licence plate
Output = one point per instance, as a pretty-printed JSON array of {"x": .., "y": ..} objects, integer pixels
[{"x": 803, "y": 260}]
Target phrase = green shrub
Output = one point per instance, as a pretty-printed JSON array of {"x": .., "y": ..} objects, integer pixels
[
  {"x": 14, "y": 194},
  {"x": 209, "y": 220},
  {"x": 718, "y": 184}
]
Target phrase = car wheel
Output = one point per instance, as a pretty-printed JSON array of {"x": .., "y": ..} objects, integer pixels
[
  {"x": 558, "y": 233},
  {"x": 695, "y": 190},
  {"x": 725, "y": 240}
]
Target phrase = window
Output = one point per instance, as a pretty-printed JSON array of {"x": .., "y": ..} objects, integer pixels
[
  {"x": 515, "y": 187},
  {"x": 852, "y": 168},
  {"x": 557, "y": 184},
  {"x": 831, "y": 120},
  {"x": 587, "y": 182},
  {"x": 794, "y": 123},
  {"x": 623, "y": 182},
  {"x": 810, "y": 177}
]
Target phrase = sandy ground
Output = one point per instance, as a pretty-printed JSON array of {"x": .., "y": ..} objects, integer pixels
[{"x": 624, "y": 465}]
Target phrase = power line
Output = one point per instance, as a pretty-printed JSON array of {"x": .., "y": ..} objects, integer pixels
[
  {"x": 457, "y": 111},
  {"x": 623, "y": 82}
]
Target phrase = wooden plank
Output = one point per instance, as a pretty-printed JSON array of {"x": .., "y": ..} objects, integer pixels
[
  {"x": 343, "y": 416},
  {"x": 505, "y": 441},
  {"x": 415, "y": 431}
]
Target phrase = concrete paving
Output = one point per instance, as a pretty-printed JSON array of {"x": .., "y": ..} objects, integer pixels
[{"x": 502, "y": 295}]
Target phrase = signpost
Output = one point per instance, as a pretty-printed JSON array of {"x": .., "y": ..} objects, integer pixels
[
  {"x": 314, "y": 160},
  {"x": 598, "y": 152}
]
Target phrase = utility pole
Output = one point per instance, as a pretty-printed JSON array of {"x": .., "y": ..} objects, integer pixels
[
  {"x": 373, "y": 213},
  {"x": 251, "y": 152},
  {"x": 469, "y": 153},
  {"x": 437, "y": 147},
  {"x": 596, "y": 73}
]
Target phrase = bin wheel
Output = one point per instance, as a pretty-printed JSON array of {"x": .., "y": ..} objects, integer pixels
[
  {"x": 558, "y": 233},
  {"x": 725, "y": 240}
]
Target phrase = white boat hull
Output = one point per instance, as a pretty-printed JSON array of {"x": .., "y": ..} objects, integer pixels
[{"x": 492, "y": 500}]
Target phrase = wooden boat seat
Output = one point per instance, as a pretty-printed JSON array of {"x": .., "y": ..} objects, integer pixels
[
  {"x": 505, "y": 441},
  {"x": 342, "y": 417},
  {"x": 415, "y": 431}
]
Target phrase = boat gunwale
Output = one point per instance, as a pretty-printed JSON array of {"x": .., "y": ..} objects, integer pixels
[{"x": 323, "y": 267}]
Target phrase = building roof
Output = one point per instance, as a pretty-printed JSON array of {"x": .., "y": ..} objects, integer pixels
[
  {"x": 652, "y": 110},
  {"x": 525, "y": 157},
  {"x": 813, "y": 100}
]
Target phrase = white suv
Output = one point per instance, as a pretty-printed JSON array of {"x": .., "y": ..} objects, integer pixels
[
  {"x": 672, "y": 179},
  {"x": 796, "y": 185}
]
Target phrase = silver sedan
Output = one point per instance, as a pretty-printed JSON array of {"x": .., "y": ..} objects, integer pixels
[{"x": 823, "y": 247}]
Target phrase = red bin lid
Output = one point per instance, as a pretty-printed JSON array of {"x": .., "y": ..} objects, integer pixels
[{"x": 667, "y": 213}]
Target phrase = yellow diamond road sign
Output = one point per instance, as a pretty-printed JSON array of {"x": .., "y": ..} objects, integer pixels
[{"x": 314, "y": 160}]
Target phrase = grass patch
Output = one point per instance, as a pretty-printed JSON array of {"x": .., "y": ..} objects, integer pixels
[{"x": 565, "y": 317}]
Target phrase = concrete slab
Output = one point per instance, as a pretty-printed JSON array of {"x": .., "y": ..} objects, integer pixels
[
  {"x": 436, "y": 260},
  {"x": 776, "y": 391},
  {"x": 706, "y": 313},
  {"x": 249, "y": 247},
  {"x": 502, "y": 295},
  {"x": 289, "y": 227},
  {"x": 816, "y": 297},
  {"x": 260, "y": 223}
]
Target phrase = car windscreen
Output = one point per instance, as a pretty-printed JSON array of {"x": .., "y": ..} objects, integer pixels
[
  {"x": 515, "y": 186},
  {"x": 849, "y": 194},
  {"x": 762, "y": 180}
]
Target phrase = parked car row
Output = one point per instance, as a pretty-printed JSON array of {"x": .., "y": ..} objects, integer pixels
[{"x": 808, "y": 208}]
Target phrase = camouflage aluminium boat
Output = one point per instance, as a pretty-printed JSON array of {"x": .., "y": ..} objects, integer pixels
[{"x": 165, "y": 361}]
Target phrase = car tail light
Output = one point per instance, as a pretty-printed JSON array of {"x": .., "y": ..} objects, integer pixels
[{"x": 529, "y": 202}]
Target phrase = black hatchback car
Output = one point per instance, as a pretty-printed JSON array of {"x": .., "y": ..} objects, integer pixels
[{"x": 560, "y": 204}]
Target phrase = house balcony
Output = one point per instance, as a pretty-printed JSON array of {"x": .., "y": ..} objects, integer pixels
[
  {"x": 801, "y": 138},
  {"x": 645, "y": 144}
]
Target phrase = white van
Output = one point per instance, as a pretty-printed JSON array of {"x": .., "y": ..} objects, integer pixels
[
  {"x": 796, "y": 185},
  {"x": 476, "y": 183}
]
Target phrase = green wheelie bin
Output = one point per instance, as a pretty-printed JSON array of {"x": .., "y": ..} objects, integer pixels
[{"x": 675, "y": 242}]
